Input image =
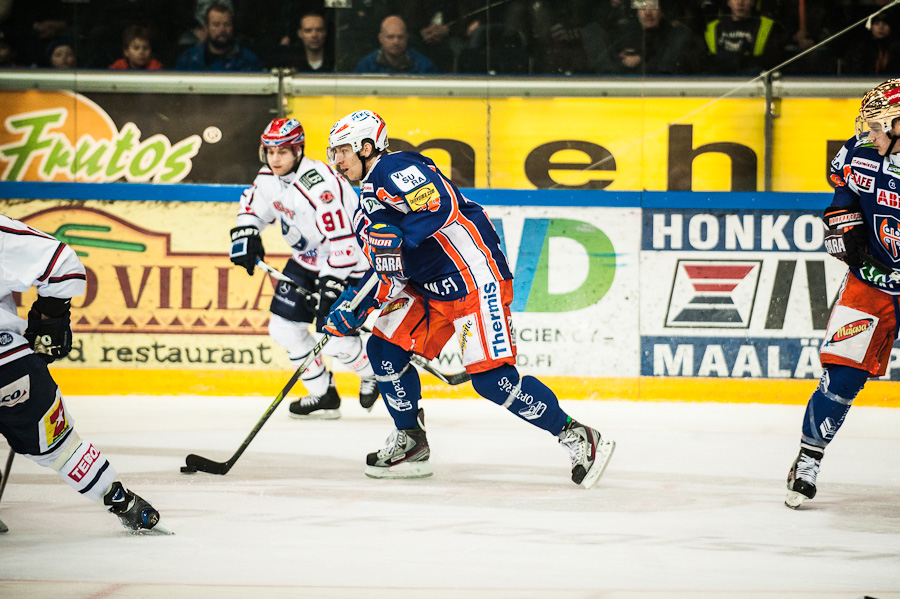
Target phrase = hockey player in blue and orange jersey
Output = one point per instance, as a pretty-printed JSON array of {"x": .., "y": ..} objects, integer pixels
[
  {"x": 442, "y": 272},
  {"x": 862, "y": 228}
]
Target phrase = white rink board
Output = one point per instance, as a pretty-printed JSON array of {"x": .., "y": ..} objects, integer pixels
[{"x": 598, "y": 340}]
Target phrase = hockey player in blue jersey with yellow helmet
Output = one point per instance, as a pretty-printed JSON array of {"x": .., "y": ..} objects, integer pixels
[
  {"x": 442, "y": 273},
  {"x": 862, "y": 228}
]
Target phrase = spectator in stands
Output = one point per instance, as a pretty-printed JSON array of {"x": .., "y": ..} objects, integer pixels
[
  {"x": 220, "y": 51},
  {"x": 438, "y": 27},
  {"x": 313, "y": 54},
  {"x": 356, "y": 30},
  {"x": 807, "y": 23},
  {"x": 743, "y": 42},
  {"x": 653, "y": 45},
  {"x": 137, "y": 53},
  {"x": 876, "y": 54},
  {"x": 394, "y": 56},
  {"x": 556, "y": 29},
  {"x": 61, "y": 54},
  {"x": 7, "y": 54}
]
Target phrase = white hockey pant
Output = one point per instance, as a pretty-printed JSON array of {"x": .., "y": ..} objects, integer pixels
[{"x": 297, "y": 341}]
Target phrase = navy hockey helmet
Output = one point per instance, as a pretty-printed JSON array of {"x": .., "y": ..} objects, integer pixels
[{"x": 282, "y": 132}]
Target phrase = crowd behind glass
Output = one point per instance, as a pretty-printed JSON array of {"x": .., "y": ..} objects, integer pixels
[{"x": 477, "y": 37}]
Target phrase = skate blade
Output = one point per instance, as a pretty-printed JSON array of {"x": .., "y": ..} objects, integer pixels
[
  {"x": 602, "y": 456},
  {"x": 158, "y": 529},
  {"x": 794, "y": 499},
  {"x": 405, "y": 470},
  {"x": 318, "y": 415}
]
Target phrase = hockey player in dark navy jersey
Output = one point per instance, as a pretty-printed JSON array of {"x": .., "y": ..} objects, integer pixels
[
  {"x": 862, "y": 228},
  {"x": 441, "y": 273}
]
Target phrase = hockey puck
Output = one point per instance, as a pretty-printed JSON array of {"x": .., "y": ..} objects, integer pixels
[{"x": 188, "y": 470}]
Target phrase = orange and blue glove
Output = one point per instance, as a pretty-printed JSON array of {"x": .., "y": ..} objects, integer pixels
[{"x": 342, "y": 321}]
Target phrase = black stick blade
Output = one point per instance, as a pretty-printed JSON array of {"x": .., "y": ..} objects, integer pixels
[
  {"x": 195, "y": 462},
  {"x": 458, "y": 378}
]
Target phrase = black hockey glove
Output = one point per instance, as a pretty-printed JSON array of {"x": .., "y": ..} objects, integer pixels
[
  {"x": 329, "y": 289},
  {"x": 845, "y": 235},
  {"x": 49, "y": 331},
  {"x": 246, "y": 247}
]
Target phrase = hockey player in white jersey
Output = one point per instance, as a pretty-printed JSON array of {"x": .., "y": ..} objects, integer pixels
[
  {"x": 313, "y": 206},
  {"x": 33, "y": 416}
]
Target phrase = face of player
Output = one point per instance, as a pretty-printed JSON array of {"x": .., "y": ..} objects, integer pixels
[
  {"x": 219, "y": 28},
  {"x": 880, "y": 139},
  {"x": 312, "y": 32},
  {"x": 137, "y": 53},
  {"x": 281, "y": 159},
  {"x": 347, "y": 162}
]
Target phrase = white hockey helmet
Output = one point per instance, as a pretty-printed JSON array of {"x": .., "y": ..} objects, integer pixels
[
  {"x": 879, "y": 108},
  {"x": 356, "y": 128}
]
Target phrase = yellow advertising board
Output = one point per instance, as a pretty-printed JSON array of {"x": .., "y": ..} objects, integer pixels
[
  {"x": 618, "y": 144},
  {"x": 161, "y": 291}
]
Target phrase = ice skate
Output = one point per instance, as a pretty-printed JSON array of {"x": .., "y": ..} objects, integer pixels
[
  {"x": 368, "y": 392},
  {"x": 405, "y": 455},
  {"x": 322, "y": 407},
  {"x": 801, "y": 480},
  {"x": 588, "y": 451},
  {"x": 133, "y": 512}
]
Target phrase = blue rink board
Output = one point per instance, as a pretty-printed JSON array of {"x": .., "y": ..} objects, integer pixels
[{"x": 489, "y": 197}]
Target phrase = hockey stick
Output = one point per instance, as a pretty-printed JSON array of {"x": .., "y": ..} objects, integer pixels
[
  {"x": 194, "y": 462},
  {"x": 280, "y": 276},
  {"x": 4, "y": 476},
  {"x": 886, "y": 270},
  {"x": 456, "y": 378}
]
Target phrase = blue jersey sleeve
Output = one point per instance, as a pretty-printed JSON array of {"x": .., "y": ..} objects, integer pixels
[{"x": 420, "y": 192}]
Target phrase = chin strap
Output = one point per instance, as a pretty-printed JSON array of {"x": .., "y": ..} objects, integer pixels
[{"x": 891, "y": 147}]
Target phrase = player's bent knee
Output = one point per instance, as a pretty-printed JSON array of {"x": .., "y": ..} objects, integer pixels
[
  {"x": 844, "y": 381},
  {"x": 388, "y": 359},
  {"x": 496, "y": 384},
  {"x": 291, "y": 335}
]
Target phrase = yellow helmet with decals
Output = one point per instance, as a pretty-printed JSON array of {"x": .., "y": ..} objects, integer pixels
[{"x": 878, "y": 109}]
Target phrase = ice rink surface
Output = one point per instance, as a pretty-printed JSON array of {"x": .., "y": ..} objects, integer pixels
[{"x": 690, "y": 507}]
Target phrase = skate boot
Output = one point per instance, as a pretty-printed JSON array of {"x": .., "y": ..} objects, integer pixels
[
  {"x": 801, "y": 480},
  {"x": 588, "y": 451},
  {"x": 404, "y": 456},
  {"x": 134, "y": 513},
  {"x": 368, "y": 392},
  {"x": 323, "y": 407}
]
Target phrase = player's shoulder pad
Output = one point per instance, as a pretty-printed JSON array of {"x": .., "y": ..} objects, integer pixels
[
  {"x": 311, "y": 173},
  {"x": 411, "y": 174}
]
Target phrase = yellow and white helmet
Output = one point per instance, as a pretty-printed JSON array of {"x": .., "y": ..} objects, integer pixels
[{"x": 878, "y": 109}]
